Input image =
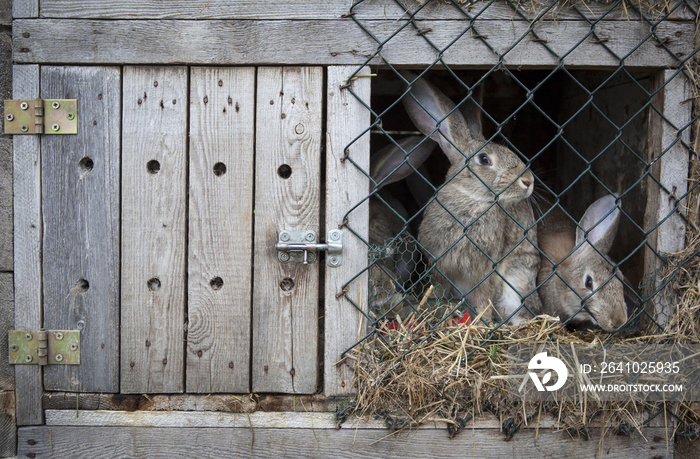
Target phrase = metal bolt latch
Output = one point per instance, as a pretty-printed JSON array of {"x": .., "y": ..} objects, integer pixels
[{"x": 301, "y": 247}]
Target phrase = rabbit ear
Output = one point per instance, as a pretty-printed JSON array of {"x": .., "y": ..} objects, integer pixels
[
  {"x": 473, "y": 113},
  {"x": 600, "y": 233},
  {"x": 421, "y": 187},
  {"x": 394, "y": 162},
  {"x": 429, "y": 108}
]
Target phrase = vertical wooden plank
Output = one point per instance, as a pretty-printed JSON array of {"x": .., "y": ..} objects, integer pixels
[
  {"x": 346, "y": 185},
  {"x": 7, "y": 319},
  {"x": 6, "y": 220},
  {"x": 80, "y": 206},
  {"x": 154, "y": 165},
  {"x": 8, "y": 424},
  {"x": 26, "y": 173},
  {"x": 25, "y": 8},
  {"x": 285, "y": 299},
  {"x": 220, "y": 238},
  {"x": 670, "y": 167}
]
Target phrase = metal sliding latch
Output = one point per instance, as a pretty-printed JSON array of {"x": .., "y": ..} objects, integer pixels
[
  {"x": 41, "y": 116},
  {"x": 301, "y": 247},
  {"x": 53, "y": 347}
]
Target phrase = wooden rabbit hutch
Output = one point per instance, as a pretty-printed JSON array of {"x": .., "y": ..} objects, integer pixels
[{"x": 212, "y": 133}]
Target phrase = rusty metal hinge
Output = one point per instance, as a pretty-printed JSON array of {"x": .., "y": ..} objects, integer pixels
[
  {"x": 41, "y": 116},
  {"x": 52, "y": 347}
]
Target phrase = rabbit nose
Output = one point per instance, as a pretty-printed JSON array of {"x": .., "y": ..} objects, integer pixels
[
  {"x": 525, "y": 182},
  {"x": 620, "y": 320}
]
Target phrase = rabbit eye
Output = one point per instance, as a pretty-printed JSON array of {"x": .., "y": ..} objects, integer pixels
[
  {"x": 589, "y": 283},
  {"x": 484, "y": 159}
]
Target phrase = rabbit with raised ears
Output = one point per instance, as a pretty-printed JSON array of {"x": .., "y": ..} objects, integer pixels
[
  {"x": 578, "y": 254},
  {"x": 481, "y": 213},
  {"x": 397, "y": 252}
]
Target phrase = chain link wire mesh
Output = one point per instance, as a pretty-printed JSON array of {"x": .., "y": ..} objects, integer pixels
[{"x": 561, "y": 156}]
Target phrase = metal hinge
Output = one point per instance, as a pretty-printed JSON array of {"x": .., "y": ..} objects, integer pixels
[
  {"x": 41, "y": 116},
  {"x": 53, "y": 347},
  {"x": 301, "y": 247}
]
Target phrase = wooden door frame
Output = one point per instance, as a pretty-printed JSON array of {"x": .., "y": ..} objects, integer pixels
[{"x": 29, "y": 53}]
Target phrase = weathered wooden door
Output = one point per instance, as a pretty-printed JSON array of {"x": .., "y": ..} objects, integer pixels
[{"x": 160, "y": 220}]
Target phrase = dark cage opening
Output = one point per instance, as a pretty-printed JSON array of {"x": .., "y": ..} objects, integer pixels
[{"x": 518, "y": 176}]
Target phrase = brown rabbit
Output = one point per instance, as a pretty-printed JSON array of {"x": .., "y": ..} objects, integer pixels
[
  {"x": 588, "y": 273},
  {"x": 394, "y": 248},
  {"x": 464, "y": 230}
]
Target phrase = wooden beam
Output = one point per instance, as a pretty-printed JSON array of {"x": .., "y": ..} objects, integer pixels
[
  {"x": 287, "y": 197},
  {"x": 341, "y": 41},
  {"x": 668, "y": 138},
  {"x": 322, "y": 9},
  {"x": 259, "y": 419},
  {"x": 224, "y": 403},
  {"x": 25, "y": 8},
  {"x": 346, "y": 186},
  {"x": 280, "y": 420},
  {"x": 8, "y": 421},
  {"x": 154, "y": 198},
  {"x": 220, "y": 238},
  {"x": 7, "y": 320},
  {"x": 6, "y": 220},
  {"x": 253, "y": 441},
  {"x": 8, "y": 424},
  {"x": 80, "y": 207},
  {"x": 27, "y": 242}
]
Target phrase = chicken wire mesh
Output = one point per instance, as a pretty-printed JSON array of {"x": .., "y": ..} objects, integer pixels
[{"x": 500, "y": 194}]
